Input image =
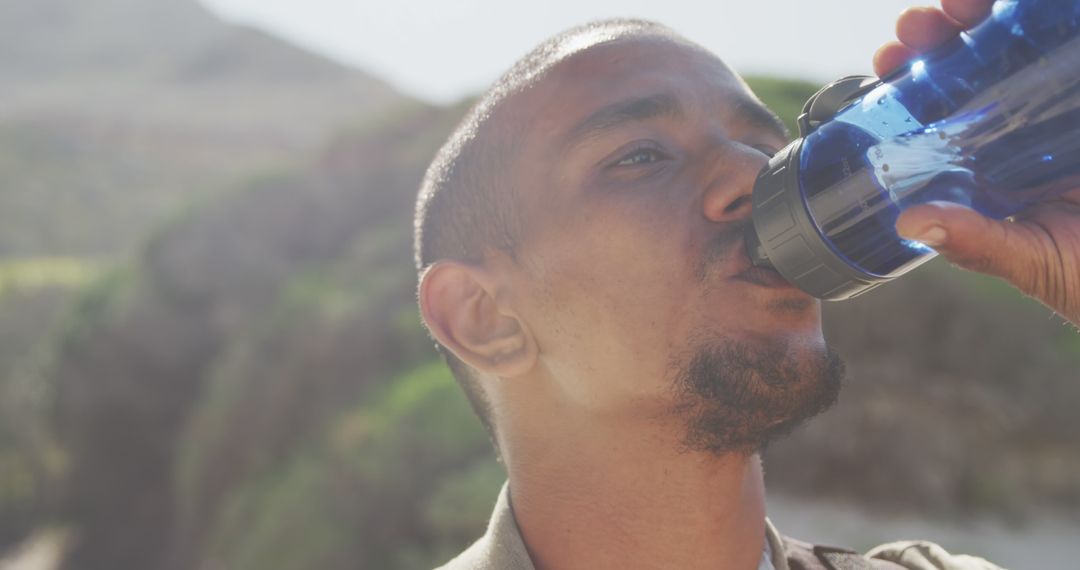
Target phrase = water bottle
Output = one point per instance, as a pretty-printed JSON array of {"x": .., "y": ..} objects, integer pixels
[{"x": 991, "y": 121}]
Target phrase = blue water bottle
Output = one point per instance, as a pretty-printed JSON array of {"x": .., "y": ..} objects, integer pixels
[{"x": 990, "y": 120}]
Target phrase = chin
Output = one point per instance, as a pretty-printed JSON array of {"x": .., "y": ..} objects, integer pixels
[{"x": 737, "y": 395}]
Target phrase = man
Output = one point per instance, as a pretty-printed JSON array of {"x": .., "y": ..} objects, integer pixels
[{"x": 582, "y": 268}]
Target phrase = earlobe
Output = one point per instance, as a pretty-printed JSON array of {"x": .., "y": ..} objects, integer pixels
[{"x": 458, "y": 305}]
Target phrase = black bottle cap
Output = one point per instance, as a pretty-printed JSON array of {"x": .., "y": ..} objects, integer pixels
[{"x": 783, "y": 235}]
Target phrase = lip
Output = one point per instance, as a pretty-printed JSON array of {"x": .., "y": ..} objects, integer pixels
[{"x": 763, "y": 277}]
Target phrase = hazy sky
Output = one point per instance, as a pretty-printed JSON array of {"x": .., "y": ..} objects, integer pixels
[{"x": 444, "y": 50}]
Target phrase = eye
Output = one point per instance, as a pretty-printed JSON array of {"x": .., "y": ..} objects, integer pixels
[{"x": 639, "y": 156}]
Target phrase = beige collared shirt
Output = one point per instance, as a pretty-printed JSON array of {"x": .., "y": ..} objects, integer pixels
[{"x": 502, "y": 548}]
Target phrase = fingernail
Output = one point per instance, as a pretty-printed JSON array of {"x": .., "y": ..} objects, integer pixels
[{"x": 931, "y": 236}]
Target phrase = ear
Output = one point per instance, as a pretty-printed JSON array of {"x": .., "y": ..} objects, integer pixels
[{"x": 459, "y": 305}]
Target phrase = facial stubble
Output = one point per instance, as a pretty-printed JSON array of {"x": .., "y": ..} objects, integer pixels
[{"x": 738, "y": 398}]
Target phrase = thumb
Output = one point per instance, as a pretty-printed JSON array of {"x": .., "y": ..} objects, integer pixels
[{"x": 973, "y": 241}]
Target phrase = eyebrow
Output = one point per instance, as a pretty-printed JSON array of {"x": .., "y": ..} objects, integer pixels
[{"x": 620, "y": 113}]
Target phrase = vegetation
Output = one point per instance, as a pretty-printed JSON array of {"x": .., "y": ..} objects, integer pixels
[
  {"x": 251, "y": 386},
  {"x": 33, "y": 293},
  {"x": 784, "y": 96}
]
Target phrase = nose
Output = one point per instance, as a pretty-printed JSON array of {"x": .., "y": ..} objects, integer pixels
[{"x": 731, "y": 176}]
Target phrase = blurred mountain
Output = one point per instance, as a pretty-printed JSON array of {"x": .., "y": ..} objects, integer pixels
[
  {"x": 40, "y": 38},
  {"x": 247, "y": 54},
  {"x": 114, "y": 113}
]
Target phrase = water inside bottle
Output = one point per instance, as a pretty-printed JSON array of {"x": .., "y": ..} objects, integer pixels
[
  {"x": 998, "y": 150},
  {"x": 1015, "y": 146}
]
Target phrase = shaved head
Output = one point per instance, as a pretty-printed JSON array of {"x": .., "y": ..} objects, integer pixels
[
  {"x": 468, "y": 202},
  {"x": 496, "y": 165},
  {"x": 465, "y": 205}
]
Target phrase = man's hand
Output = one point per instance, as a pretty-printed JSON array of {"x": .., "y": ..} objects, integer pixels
[{"x": 1039, "y": 252}]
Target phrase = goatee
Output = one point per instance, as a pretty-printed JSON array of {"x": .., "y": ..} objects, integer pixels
[{"x": 737, "y": 398}]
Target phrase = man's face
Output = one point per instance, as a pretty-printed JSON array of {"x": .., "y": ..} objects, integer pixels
[{"x": 634, "y": 176}]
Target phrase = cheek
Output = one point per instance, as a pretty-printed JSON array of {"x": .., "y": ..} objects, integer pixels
[{"x": 616, "y": 284}]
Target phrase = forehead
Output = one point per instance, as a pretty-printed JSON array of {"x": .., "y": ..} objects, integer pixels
[
  {"x": 637, "y": 55},
  {"x": 629, "y": 68}
]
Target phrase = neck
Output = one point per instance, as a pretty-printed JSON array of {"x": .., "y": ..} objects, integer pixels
[{"x": 603, "y": 496}]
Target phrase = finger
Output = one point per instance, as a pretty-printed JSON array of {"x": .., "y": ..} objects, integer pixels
[
  {"x": 1072, "y": 196},
  {"x": 973, "y": 241},
  {"x": 967, "y": 12},
  {"x": 891, "y": 56},
  {"x": 923, "y": 29}
]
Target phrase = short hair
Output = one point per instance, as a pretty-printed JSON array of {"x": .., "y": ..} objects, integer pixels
[{"x": 468, "y": 201}]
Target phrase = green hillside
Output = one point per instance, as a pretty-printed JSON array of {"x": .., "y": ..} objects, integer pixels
[
  {"x": 210, "y": 354},
  {"x": 33, "y": 295},
  {"x": 266, "y": 348}
]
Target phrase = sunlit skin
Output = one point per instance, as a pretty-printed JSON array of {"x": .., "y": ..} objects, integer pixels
[
  {"x": 617, "y": 224},
  {"x": 630, "y": 252}
]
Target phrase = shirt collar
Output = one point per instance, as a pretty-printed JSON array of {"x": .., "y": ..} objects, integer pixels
[{"x": 503, "y": 547}]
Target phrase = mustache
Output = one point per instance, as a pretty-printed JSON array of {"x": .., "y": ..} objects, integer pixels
[{"x": 720, "y": 248}]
